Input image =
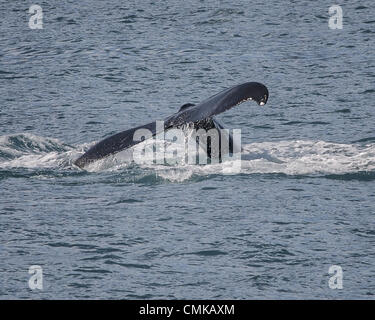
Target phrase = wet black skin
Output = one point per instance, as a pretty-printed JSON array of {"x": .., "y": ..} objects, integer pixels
[{"x": 201, "y": 115}]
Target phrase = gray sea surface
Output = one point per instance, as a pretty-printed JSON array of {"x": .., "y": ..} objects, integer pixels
[{"x": 303, "y": 201}]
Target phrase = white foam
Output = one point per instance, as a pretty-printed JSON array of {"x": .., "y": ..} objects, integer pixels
[
  {"x": 302, "y": 157},
  {"x": 30, "y": 151},
  {"x": 296, "y": 157}
]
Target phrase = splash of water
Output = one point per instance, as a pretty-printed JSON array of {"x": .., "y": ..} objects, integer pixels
[{"x": 296, "y": 157}]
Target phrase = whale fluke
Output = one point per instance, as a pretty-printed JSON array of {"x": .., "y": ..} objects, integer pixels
[
  {"x": 188, "y": 113},
  {"x": 221, "y": 102}
]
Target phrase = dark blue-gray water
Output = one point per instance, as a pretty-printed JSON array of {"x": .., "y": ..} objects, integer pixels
[{"x": 303, "y": 201}]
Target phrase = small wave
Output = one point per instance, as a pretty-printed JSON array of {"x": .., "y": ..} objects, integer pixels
[
  {"x": 369, "y": 139},
  {"x": 12, "y": 146},
  {"x": 360, "y": 176},
  {"x": 30, "y": 151}
]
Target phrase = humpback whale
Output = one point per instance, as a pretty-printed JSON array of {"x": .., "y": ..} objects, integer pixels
[{"x": 201, "y": 116}]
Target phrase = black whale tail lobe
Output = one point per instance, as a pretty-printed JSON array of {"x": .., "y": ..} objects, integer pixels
[
  {"x": 112, "y": 145},
  {"x": 188, "y": 113}
]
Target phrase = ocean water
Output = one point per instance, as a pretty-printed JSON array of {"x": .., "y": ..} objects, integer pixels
[{"x": 302, "y": 202}]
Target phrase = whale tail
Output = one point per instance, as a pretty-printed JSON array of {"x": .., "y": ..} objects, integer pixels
[{"x": 200, "y": 115}]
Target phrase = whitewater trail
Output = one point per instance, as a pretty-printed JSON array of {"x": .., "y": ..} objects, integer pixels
[{"x": 295, "y": 157}]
